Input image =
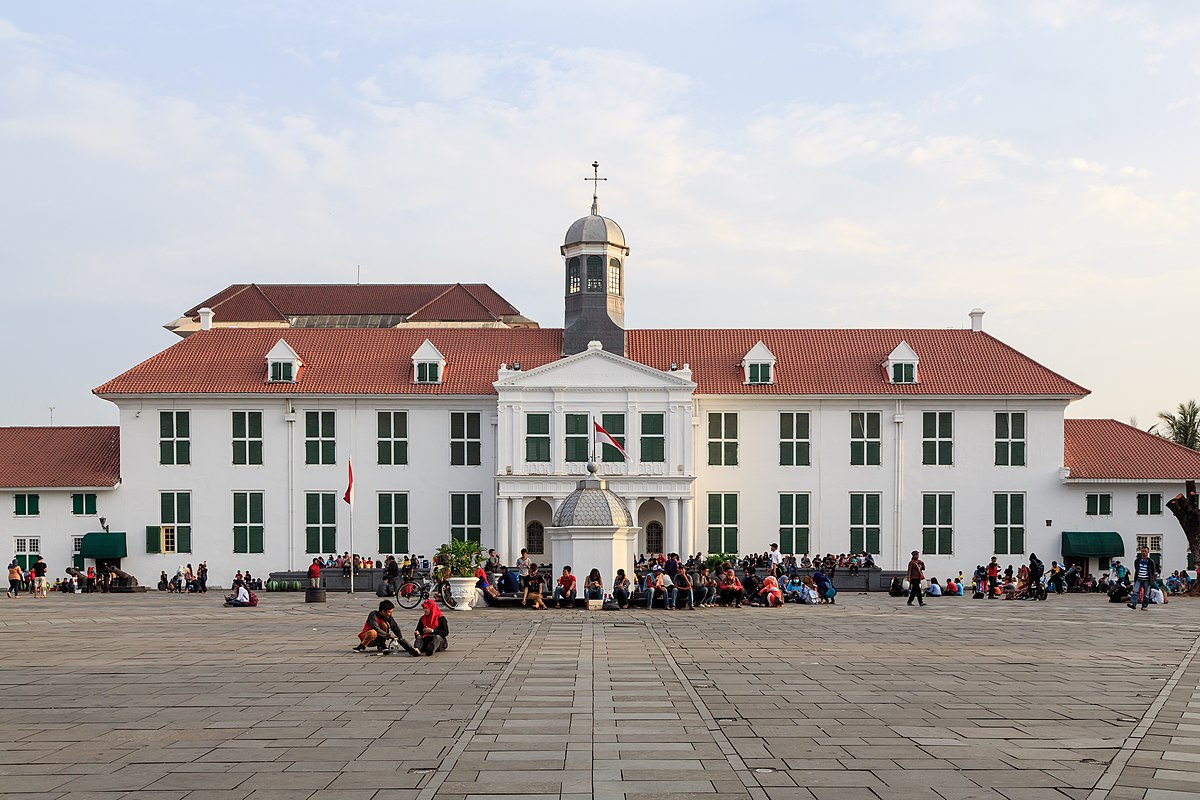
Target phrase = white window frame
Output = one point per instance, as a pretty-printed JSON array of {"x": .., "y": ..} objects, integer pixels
[
  {"x": 866, "y": 440},
  {"x": 939, "y": 438},
  {"x": 791, "y": 443}
]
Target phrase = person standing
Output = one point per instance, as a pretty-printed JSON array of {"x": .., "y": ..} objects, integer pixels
[
  {"x": 776, "y": 559},
  {"x": 523, "y": 568},
  {"x": 14, "y": 580},
  {"x": 202, "y": 577},
  {"x": 993, "y": 577},
  {"x": 1144, "y": 572},
  {"x": 314, "y": 573},
  {"x": 916, "y": 573},
  {"x": 39, "y": 578}
]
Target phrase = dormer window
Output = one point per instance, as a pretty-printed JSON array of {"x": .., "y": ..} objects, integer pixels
[
  {"x": 283, "y": 364},
  {"x": 759, "y": 365},
  {"x": 429, "y": 365},
  {"x": 901, "y": 365}
]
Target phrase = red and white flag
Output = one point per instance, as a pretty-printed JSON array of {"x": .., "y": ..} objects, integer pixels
[
  {"x": 605, "y": 435},
  {"x": 349, "y": 495}
]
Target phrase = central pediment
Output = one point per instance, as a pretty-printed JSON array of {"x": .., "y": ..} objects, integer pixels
[{"x": 594, "y": 369}]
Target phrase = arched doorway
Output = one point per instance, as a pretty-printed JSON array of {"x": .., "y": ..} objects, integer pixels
[
  {"x": 537, "y": 518},
  {"x": 651, "y": 518}
]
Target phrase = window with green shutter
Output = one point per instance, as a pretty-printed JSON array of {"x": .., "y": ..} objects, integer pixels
[
  {"x": 866, "y": 444},
  {"x": 465, "y": 517},
  {"x": 320, "y": 520},
  {"x": 1149, "y": 504},
  {"x": 937, "y": 438},
  {"x": 722, "y": 439},
  {"x": 577, "y": 436},
  {"x": 865, "y": 528},
  {"x": 793, "y": 522},
  {"x": 83, "y": 505},
  {"x": 391, "y": 444},
  {"x": 937, "y": 524},
  {"x": 465, "y": 444},
  {"x": 1009, "y": 523},
  {"x": 723, "y": 522},
  {"x": 176, "y": 516},
  {"x": 248, "y": 437},
  {"x": 428, "y": 372},
  {"x": 174, "y": 437},
  {"x": 320, "y": 437},
  {"x": 759, "y": 373},
  {"x": 537, "y": 438},
  {"x": 1099, "y": 505},
  {"x": 248, "y": 522},
  {"x": 1010, "y": 438},
  {"x": 282, "y": 372},
  {"x": 795, "y": 444},
  {"x": 904, "y": 373},
  {"x": 26, "y": 505},
  {"x": 393, "y": 523},
  {"x": 615, "y": 425},
  {"x": 653, "y": 443}
]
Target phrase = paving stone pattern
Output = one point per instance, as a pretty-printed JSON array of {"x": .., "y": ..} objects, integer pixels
[{"x": 169, "y": 697}]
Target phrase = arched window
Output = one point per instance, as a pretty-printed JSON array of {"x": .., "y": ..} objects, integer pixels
[
  {"x": 535, "y": 538},
  {"x": 573, "y": 275},
  {"x": 595, "y": 273},
  {"x": 614, "y": 276},
  {"x": 654, "y": 537}
]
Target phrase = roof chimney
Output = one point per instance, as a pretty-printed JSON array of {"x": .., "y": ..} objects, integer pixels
[
  {"x": 206, "y": 318},
  {"x": 977, "y": 319}
]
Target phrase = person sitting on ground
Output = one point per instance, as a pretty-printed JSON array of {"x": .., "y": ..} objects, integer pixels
[
  {"x": 565, "y": 589},
  {"x": 897, "y": 587},
  {"x": 809, "y": 595},
  {"x": 656, "y": 587},
  {"x": 433, "y": 632},
  {"x": 771, "y": 594},
  {"x": 1119, "y": 593},
  {"x": 792, "y": 589},
  {"x": 935, "y": 589},
  {"x": 164, "y": 583},
  {"x": 593, "y": 587},
  {"x": 240, "y": 596},
  {"x": 751, "y": 584},
  {"x": 951, "y": 589},
  {"x": 380, "y": 628},
  {"x": 824, "y": 586},
  {"x": 533, "y": 588},
  {"x": 621, "y": 589},
  {"x": 731, "y": 590}
]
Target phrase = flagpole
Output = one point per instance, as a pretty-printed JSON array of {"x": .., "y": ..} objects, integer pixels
[{"x": 352, "y": 550}]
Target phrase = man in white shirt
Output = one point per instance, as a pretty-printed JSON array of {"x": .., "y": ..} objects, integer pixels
[
  {"x": 240, "y": 596},
  {"x": 523, "y": 568},
  {"x": 776, "y": 560}
]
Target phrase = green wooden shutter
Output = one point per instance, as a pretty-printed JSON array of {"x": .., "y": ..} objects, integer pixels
[{"x": 153, "y": 539}]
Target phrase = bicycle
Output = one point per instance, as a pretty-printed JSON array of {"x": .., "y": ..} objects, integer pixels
[{"x": 415, "y": 591}]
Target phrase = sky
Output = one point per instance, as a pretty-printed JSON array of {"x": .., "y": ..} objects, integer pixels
[{"x": 773, "y": 164}]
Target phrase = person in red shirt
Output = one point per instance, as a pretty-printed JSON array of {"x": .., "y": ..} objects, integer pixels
[
  {"x": 993, "y": 576},
  {"x": 566, "y": 589},
  {"x": 314, "y": 573}
]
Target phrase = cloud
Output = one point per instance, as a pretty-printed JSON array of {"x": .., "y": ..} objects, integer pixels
[{"x": 1083, "y": 165}]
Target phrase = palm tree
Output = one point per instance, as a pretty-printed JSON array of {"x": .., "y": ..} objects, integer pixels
[{"x": 1182, "y": 427}]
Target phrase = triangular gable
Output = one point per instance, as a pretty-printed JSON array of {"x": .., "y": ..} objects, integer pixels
[
  {"x": 594, "y": 368},
  {"x": 282, "y": 351},
  {"x": 427, "y": 352},
  {"x": 250, "y": 304},
  {"x": 759, "y": 353},
  {"x": 456, "y": 304},
  {"x": 903, "y": 352}
]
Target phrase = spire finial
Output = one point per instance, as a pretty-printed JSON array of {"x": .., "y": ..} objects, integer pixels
[{"x": 595, "y": 187}]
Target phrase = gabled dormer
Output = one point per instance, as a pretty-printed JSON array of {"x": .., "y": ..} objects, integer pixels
[
  {"x": 429, "y": 365},
  {"x": 901, "y": 364},
  {"x": 759, "y": 365},
  {"x": 283, "y": 364}
]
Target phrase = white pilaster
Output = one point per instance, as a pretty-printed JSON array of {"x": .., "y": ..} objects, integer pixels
[
  {"x": 673, "y": 543},
  {"x": 686, "y": 534},
  {"x": 631, "y": 503},
  {"x": 516, "y": 526},
  {"x": 502, "y": 536}
]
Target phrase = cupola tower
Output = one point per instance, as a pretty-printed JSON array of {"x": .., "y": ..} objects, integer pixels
[{"x": 594, "y": 254}]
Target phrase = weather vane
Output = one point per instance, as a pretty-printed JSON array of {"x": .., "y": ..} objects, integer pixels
[{"x": 595, "y": 187}]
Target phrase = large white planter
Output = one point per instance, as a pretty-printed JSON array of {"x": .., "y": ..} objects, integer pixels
[{"x": 463, "y": 592}]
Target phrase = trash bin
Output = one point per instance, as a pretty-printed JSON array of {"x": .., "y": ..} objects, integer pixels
[{"x": 314, "y": 595}]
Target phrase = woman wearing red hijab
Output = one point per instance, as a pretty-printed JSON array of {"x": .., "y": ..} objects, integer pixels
[{"x": 432, "y": 629}]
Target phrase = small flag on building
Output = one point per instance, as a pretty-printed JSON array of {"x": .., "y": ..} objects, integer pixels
[
  {"x": 605, "y": 435},
  {"x": 349, "y": 495}
]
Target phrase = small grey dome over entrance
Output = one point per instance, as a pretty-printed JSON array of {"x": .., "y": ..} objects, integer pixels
[
  {"x": 594, "y": 228},
  {"x": 592, "y": 505}
]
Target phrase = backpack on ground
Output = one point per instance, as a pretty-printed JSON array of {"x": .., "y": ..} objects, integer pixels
[{"x": 253, "y": 599}]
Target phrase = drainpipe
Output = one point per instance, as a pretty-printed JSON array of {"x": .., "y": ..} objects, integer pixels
[
  {"x": 289, "y": 416},
  {"x": 898, "y": 504}
]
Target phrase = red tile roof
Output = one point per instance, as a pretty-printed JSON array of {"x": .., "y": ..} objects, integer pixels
[
  {"x": 336, "y": 361},
  {"x": 297, "y": 300},
  {"x": 1104, "y": 448},
  {"x": 456, "y": 304},
  {"x": 850, "y": 362},
  {"x": 86, "y": 457},
  {"x": 379, "y": 360}
]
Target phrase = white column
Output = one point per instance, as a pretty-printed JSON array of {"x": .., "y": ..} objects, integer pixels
[
  {"x": 502, "y": 540},
  {"x": 631, "y": 503},
  {"x": 673, "y": 543},
  {"x": 516, "y": 526},
  {"x": 685, "y": 527}
]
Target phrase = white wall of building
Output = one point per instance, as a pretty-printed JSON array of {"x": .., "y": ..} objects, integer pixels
[{"x": 55, "y": 527}]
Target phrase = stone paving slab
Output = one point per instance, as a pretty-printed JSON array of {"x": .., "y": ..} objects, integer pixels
[{"x": 865, "y": 699}]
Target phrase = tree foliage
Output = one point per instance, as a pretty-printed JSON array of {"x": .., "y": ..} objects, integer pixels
[{"x": 1182, "y": 426}]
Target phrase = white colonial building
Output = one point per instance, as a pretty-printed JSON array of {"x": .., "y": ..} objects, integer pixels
[{"x": 464, "y": 419}]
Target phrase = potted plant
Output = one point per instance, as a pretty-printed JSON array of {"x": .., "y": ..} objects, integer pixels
[{"x": 456, "y": 562}]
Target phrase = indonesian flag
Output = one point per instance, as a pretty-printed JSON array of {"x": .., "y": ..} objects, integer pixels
[
  {"x": 603, "y": 434},
  {"x": 349, "y": 495}
]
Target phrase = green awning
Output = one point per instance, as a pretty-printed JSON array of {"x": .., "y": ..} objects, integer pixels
[
  {"x": 99, "y": 544},
  {"x": 1092, "y": 544}
]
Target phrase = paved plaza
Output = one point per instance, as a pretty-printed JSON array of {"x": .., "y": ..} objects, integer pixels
[{"x": 164, "y": 697}]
